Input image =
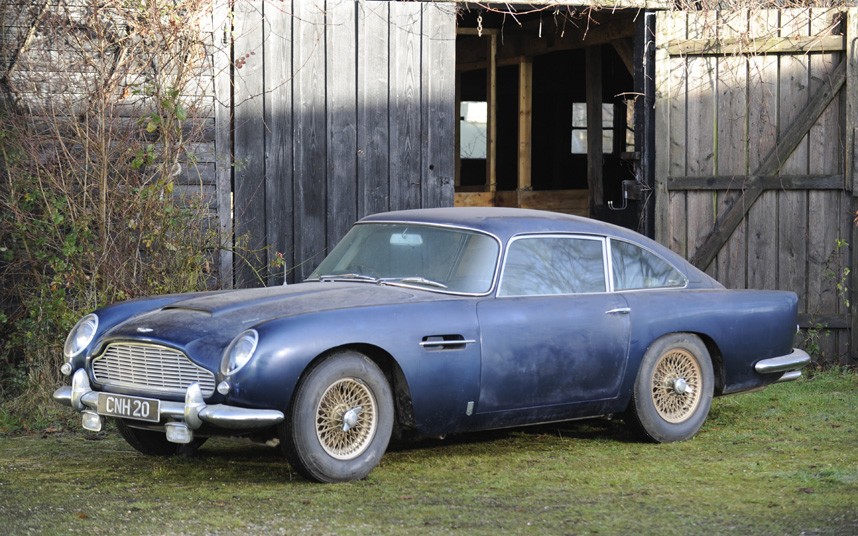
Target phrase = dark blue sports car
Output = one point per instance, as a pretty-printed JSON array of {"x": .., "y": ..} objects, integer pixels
[{"x": 433, "y": 322}]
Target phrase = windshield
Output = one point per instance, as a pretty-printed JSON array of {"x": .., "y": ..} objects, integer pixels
[{"x": 435, "y": 258}]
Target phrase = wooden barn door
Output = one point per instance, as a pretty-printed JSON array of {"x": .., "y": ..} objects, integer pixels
[
  {"x": 751, "y": 156},
  {"x": 328, "y": 110}
]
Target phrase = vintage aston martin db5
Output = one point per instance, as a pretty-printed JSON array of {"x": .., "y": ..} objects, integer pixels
[{"x": 433, "y": 322}]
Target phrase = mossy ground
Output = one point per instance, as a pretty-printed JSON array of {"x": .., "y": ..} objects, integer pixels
[{"x": 780, "y": 461}]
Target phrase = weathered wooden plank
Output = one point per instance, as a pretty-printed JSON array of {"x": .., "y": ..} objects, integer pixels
[
  {"x": 762, "y": 129},
  {"x": 222, "y": 140},
  {"x": 664, "y": 101},
  {"x": 439, "y": 112},
  {"x": 731, "y": 143},
  {"x": 768, "y": 182},
  {"x": 309, "y": 135},
  {"x": 373, "y": 163},
  {"x": 852, "y": 109},
  {"x": 525, "y": 124},
  {"x": 700, "y": 138},
  {"x": 794, "y": 92},
  {"x": 248, "y": 138},
  {"x": 826, "y": 246},
  {"x": 342, "y": 116},
  {"x": 851, "y": 163},
  {"x": 676, "y": 137},
  {"x": 405, "y": 113},
  {"x": 279, "y": 202},
  {"x": 738, "y": 46}
]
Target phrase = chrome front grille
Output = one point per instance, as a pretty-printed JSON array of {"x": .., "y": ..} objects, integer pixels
[{"x": 151, "y": 368}]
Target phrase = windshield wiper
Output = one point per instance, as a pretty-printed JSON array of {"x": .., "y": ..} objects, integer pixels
[
  {"x": 349, "y": 277},
  {"x": 415, "y": 280}
]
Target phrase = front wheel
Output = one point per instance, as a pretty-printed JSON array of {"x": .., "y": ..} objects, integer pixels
[
  {"x": 673, "y": 390},
  {"x": 341, "y": 419}
]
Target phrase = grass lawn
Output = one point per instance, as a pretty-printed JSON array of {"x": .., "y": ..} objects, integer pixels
[{"x": 779, "y": 461}]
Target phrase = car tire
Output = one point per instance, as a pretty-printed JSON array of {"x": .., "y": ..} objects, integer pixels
[
  {"x": 154, "y": 443},
  {"x": 673, "y": 390},
  {"x": 341, "y": 419}
]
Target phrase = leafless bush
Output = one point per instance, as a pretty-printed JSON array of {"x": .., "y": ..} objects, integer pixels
[{"x": 105, "y": 105}]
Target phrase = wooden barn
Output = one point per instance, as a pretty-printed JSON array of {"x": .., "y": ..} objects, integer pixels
[{"x": 728, "y": 135}]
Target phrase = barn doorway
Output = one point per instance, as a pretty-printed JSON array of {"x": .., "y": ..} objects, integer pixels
[{"x": 547, "y": 106}]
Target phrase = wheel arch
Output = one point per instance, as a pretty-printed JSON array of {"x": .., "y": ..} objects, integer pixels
[
  {"x": 717, "y": 359},
  {"x": 404, "y": 413},
  {"x": 715, "y": 356}
]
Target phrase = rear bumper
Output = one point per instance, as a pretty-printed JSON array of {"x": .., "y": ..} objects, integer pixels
[
  {"x": 192, "y": 413},
  {"x": 787, "y": 365}
]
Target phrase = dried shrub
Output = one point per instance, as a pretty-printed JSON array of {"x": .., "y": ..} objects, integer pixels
[{"x": 103, "y": 197}]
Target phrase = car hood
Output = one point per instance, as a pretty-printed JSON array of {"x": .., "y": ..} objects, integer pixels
[{"x": 203, "y": 325}]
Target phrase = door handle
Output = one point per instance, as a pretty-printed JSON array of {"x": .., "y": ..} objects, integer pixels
[{"x": 619, "y": 311}]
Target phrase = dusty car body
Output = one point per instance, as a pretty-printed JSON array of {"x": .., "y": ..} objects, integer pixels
[{"x": 434, "y": 321}]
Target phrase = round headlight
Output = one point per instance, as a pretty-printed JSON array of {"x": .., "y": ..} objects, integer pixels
[
  {"x": 239, "y": 352},
  {"x": 80, "y": 336}
]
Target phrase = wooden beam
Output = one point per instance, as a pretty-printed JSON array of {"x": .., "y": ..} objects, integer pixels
[
  {"x": 602, "y": 29},
  {"x": 737, "y": 46},
  {"x": 594, "y": 127},
  {"x": 491, "y": 104},
  {"x": 525, "y": 122},
  {"x": 768, "y": 182},
  {"x": 826, "y": 321},
  {"x": 790, "y": 139}
]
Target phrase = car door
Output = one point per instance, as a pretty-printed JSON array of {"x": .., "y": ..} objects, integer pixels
[{"x": 554, "y": 335}]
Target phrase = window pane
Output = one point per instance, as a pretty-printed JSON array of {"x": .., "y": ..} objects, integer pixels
[
  {"x": 607, "y": 115},
  {"x": 607, "y": 141},
  {"x": 553, "y": 265},
  {"x": 579, "y": 141},
  {"x": 473, "y": 128},
  {"x": 579, "y": 115},
  {"x": 637, "y": 268}
]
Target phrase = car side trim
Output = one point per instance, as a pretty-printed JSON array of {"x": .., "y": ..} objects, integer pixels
[{"x": 785, "y": 363}]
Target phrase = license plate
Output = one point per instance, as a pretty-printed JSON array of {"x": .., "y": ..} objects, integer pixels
[{"x": 129, "y": 407}]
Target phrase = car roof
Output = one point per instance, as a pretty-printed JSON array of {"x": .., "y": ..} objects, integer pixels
[{"x": 505, "y": 223}]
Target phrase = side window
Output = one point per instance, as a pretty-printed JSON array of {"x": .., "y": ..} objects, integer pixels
[
  {"x": 540, "y": 266},
  {"x": 637, "y": 268}
]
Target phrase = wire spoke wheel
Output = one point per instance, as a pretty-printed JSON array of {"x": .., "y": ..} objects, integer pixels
[
  {"x": 676, "y": 385},
  {"x": 346, "y": 419},
  {"x": 673, "y": 390}
]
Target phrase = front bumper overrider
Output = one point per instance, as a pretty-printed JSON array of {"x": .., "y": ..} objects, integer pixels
[
  {"x": 788, "y": 366},
  {"x": 180, "y": 419}
]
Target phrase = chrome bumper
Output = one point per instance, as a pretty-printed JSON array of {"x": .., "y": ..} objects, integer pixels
[
  {"x": 191, "y": 413},
  {"x": 787, "y": 365}
]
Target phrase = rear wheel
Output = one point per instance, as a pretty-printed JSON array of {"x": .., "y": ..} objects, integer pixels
[
  {"x": 673, "y": 390},
  {"x": 154, "y": 443},
  {"x": 341, "y": 419}
]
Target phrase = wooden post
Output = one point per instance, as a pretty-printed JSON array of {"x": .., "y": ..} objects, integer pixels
[
  {"x": 594, "y": 127},
  {"x": 525, "y": 117},
  {"x": 491, "y": 102}
]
